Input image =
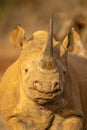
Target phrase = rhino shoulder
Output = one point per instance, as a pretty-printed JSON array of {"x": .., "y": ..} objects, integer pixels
[{"x": 9, "y": 89}]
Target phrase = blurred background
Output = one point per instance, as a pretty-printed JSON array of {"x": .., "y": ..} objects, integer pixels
[{"x": 33, "y": 15}]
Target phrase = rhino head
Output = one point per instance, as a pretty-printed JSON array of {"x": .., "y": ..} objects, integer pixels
[{"x": 43, "y": 64}]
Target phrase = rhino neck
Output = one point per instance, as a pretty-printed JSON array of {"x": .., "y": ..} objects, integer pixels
[{"x": 71, "y": 89}]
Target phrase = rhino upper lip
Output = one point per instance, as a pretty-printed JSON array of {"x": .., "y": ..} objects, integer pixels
[{"x": 50, "y": 92}]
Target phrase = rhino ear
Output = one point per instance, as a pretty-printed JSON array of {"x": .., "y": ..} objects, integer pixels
[
  {"x": 77, "y": 41},
  {"x": 17, "y": 36},
  {"x": 76, "y": 35},
  {"x": 67, "y": 43}
]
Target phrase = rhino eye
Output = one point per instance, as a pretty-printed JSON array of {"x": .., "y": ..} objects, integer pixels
[
  {"x": 26, "y": 70},
  {"x": 64, "y": 72},
  {"x": 21, "y": 44}
]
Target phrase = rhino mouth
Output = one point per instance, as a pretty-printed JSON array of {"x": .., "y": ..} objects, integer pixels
[
  {"x": 48, "y": 92},
  {"x": 44, "y": 93},
  {"x": 45, "y": 100},
  {"x": 42, "y": 97}
]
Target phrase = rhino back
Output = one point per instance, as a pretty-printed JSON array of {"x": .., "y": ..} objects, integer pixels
[{"x": 9, "y": 89}]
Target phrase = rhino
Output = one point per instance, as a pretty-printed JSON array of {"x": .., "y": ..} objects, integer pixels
[
  {"x": 45, "y": 88},
  {"x": 77, "y": 42}
]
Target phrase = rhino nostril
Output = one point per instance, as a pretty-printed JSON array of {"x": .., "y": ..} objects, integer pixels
[
  {"x": 55, "y": 86},
  {"x": 37, "y": 85}
]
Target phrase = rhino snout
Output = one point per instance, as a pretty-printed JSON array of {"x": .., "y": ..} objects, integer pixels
[{"x": 54, "y": 87}]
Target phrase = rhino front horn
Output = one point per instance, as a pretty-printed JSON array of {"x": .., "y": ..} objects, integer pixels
[
  {"x": 47, "y": 61},
  {"x": 48, "y": 52}
]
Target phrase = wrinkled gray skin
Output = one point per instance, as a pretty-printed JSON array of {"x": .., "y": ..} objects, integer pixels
[{"x": 45, "y": 89}]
